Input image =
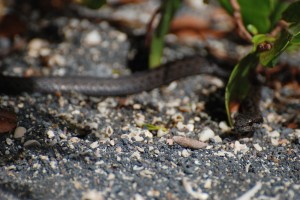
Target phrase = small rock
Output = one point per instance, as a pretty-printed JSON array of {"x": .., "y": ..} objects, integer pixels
[
  {"x": 207, "y": 184},
  {"x": 217, "y": 139},
  {"x": 224, "y": 127},
  {"x": 63, "y": 136},
  {"x": 274, "y": 134},
  {"x": 274, "y": 142},
  {"x": 206, "y": 134},
  {"x": 139, "y": 119},
  {"x": 109, "y": 131},
  {"x": 57, "y": 60},
  {"x": 178, "y": 117},
  {"x": 190, "y": 127},
  {"x": 170, "y": 142},
  {"x": 19, "y": 132},
  {"x": 240, "y": 147},
  {"x": 35, "y": 46},
  {"x": 53, "y": 164},
  {"x": 180, "y": 126},
  {"x": 257, "y": 147},
  {"x": 162, "y": 132},
  {"x": 137, "y": 106},
  {"x": 94, "y": 145},
  {"x": 92, "y": 195},
  {"x": 9, "y": 141},
  {"x": 30, "y": 143},
  {"x": 93, "y": 38},
  {"x": 50, "y": 134},
  {"x": 185, "y": 153}
]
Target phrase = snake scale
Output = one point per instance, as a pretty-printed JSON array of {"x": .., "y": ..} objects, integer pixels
[{"x": 125, "y": 85}]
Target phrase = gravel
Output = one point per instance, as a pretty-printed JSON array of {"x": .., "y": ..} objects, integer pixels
[{"x": 78, "y": 147}]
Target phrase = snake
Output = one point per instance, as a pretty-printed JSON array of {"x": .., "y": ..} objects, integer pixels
[{"x": 128, "y": 84}]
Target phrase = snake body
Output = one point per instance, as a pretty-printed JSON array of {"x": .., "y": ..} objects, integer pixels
[
  {"x": 125, "y": 85},
  {"x": 95, "y": 86}
]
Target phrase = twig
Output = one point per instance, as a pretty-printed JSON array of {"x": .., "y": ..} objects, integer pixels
[
  {"x": 280, "y": 25},
  {"x": 150, "y": 27},
  {"x": 242, "y": 31}
]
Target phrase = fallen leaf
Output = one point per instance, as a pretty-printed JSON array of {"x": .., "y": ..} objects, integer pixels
[
  {"x": 189, "y": 143},
  {"x": 8, "y": 121}
]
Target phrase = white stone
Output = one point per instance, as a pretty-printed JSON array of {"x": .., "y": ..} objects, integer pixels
[
  {"x": 53, "y": 164},
  {"x": 92, "y": 38},
  {"x": 190, "y": 127},
  {"x": 162, "y": 132},
  {"x": 19, "y": 132},
  {"x": 224, "y": 127},
  {"x": 50, "y": 134},
  {"x": 92, "y": 195},
  {"x": 257, "y": 147},
  {"x": 9, "y": 141},
  {"x": 217, "y": 139},
  {"x": 240, "y": 147},
  {"x": 206, "y": 134},
  {"x": 94, "y": 145},
  {"x": 185, "y": 153},
  {"x": 274, "y": 134}
]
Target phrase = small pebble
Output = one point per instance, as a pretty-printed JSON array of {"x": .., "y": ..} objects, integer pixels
[
  {"x": 53, "y": 164},
  {"x": 178, "y": 117},
  {"x": 274, "y": 134},
  {"x": 94, "y": 145},
  {"x": 139, "y": 119},
  {"x": 63, "y": 136},
  {"x": 217, "y": 139},
  {"x": 19, "y": 132},
  {"x": 50, "y": 134},
  {"x": 9, "y": 141},
  {"x": 109, "y": 131},
  {"x": 92, "y": 195},
  {"x": 206, "y": 134},
  {"x": 224, "y": 127},
  {"x": 30, "y": 143},
  {"x": 162, "y": 132},
  {"x": 137, "y": 106},
  {"x": 238, "y": 147},
  {"x": 190, "y": 127},
  {"x": 208, "y": 184},
  {"x": 92, "y": 38},
  {"x": 257, "y": 147},
  {"x": 185, "y": 153},
  {"x": 274, "y": 142}
]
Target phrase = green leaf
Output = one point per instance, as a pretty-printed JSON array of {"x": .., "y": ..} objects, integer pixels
[
  {"x": 152, "y": 127},
  {"x": 291, "y": 14},
  {"x": 252, "y": 29},
  {"x": 278, "y": 7},
  {"x": 268, "y": 58},
  {"x": 262, "y": 14},
  {"x": 295, "y": 44},
  {"x": 168, "y": 9},
  {"x": 257, "y": 17},
  {"x": 238, "y": 84},
  {"x": 94, "y": 4},
  {"x": 296, "y": 40}
]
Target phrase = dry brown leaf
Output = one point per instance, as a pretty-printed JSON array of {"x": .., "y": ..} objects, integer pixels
[
  {"x": 189, "y": 143},
  {"x": 8, "y": 121}
]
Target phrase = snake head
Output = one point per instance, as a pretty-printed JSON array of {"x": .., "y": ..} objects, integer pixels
[{"x": 246, "y": 123}]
